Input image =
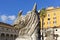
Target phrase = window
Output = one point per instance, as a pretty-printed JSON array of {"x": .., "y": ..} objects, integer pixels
[
  {"x": 6, "y": 29},
  {"x": 48, "y": 22},
  {"x": 54, "y": 14},
  {"x": 54, "y": 18},
  {"x": 54, "y": 22},
  {"x": 48, "y": 18},
  {"x": 48, "y": 15}
]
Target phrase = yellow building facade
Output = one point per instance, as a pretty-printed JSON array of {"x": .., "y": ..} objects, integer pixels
[{"x": 52, "y": 18}]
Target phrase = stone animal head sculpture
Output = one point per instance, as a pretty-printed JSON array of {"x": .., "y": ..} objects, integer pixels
[
  {"x": 28, "y": 23},
  {"x": 20, "y": 21}
]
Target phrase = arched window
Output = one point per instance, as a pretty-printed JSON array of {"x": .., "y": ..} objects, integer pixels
[
  {"x": 7, "y": 36},
  {"x": 2, "y": 36}
]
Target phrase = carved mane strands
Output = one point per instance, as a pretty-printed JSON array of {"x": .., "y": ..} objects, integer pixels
[{"x": 28, "y": 25}]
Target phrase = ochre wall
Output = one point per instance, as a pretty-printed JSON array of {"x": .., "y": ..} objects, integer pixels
[{"x": 54, "y": 12}]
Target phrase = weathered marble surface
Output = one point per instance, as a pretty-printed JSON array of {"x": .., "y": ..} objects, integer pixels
[
  {"x": 49, "y": 34},
  {"x": 28, "y": 25}
]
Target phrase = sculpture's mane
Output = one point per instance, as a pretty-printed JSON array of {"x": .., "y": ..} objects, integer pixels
[{"x": 28, "y": 25}]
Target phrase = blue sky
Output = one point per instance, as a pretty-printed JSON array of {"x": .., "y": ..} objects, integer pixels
[{"x": 10, "y": 8}]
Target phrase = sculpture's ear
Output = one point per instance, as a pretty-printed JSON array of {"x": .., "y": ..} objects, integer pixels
[
  {"x": 20, "y": 13},
  {"x": 34, "y": 7}
]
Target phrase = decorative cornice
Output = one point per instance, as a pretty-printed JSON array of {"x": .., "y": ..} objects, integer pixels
[
  {"x": 52, "y": 8},
  {"x": 6, "y": 25}
]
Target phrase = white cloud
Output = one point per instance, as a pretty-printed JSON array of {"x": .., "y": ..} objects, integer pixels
[
  {"x": 3, "y": 18},
  {"x": 12, "y": 17}
]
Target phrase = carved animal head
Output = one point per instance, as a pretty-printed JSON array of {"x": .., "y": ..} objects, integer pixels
[{"x": 20, "y": 21}]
